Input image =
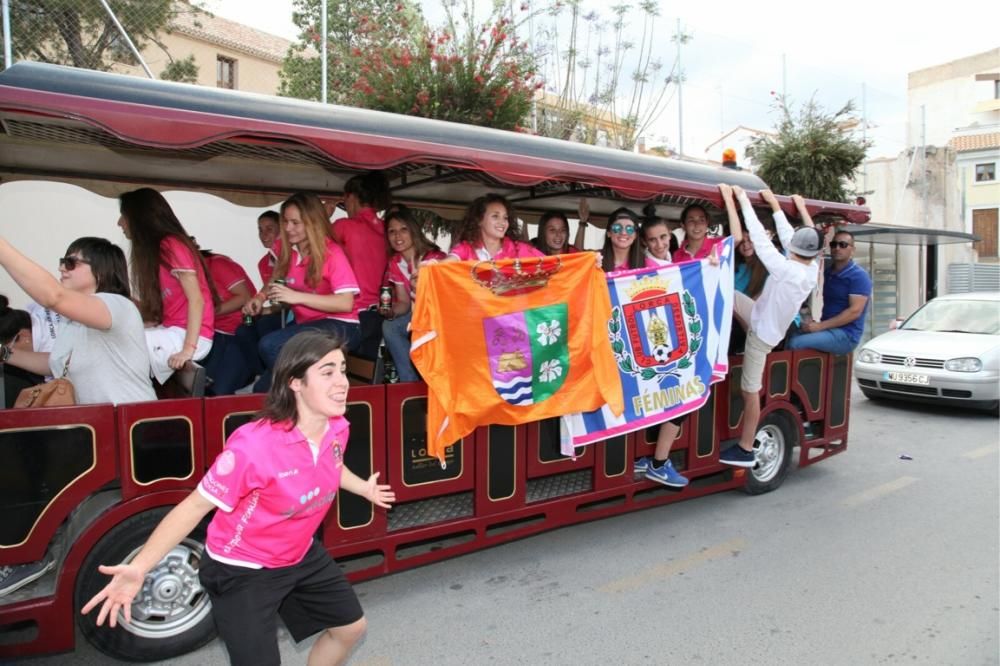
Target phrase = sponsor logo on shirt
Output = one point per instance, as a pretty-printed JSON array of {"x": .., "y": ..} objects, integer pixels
[
  {"x": 214, "y": 486},
  {"x": 226, "y": 463},
  {"x": 244, "y": 521},
  {"x": 288, "y": 472}
]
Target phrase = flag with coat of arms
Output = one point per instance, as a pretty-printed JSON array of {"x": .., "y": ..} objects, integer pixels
[{"x": 669, "y": 332}]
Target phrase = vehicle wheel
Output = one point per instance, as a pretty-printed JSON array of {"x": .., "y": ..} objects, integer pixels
[
  {"x": 773, "y": 447},
  {"x": 172, "y": 614}
]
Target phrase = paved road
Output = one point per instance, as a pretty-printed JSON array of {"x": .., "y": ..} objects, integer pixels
[{"x": 861, "y": 559}]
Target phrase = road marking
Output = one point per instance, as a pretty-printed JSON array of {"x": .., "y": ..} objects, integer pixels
[
  {"x": 664, "y": 571},
  {"x": 879, "y": 491},
  {"x": 981, "y": 452}
]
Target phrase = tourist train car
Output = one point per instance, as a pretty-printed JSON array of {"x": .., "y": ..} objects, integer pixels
[{"x": 88, "y": 483}]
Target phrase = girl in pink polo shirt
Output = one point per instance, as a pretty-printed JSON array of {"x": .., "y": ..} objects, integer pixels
[
  {"x": 176, "y": 298},
  {"x": 553, "y": 234},
  {"x": 697, "y": 243},
  {"x": 319, "y": 285},
  {"x": 490, "y": 231},
  {"x": 272, "y": 485},
  {"x": 224, "y": 365},
  {"x": 408, "y": 248},
  {"x": 362, "y": 233}
]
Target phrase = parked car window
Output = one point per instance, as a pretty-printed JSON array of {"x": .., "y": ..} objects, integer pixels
[{"x": 981, "y": 317}]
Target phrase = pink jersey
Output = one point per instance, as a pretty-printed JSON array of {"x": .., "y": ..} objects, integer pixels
[
  {"x": 401, "y": 273},
  {"x": 363, "y": 239},
  {"x": 682, "y": 253},
  {"x": 226, "y": 274},
  {"x": 651, "y": 262},
  {"x": 266, "y": 267},
  {"x": 175, "y": 257},
  {"x": 509, "y": 249},
  {"x": 271, "y": 492},
  {"x": 336, "y": 278}
]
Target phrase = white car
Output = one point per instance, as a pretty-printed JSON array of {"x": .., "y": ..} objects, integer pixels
[{"x": 947, "y": 352}]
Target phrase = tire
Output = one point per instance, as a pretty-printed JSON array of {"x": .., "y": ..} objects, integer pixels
[
  {"x": 172, "y": 614},
  {"x": 775, "y": 439}
]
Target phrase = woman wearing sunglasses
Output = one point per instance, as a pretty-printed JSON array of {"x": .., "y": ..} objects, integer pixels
[
  {"x": 621, "y": 251},
  {"x": 100, "y": 342}
]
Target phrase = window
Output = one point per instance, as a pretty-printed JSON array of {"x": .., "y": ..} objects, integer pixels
[
  {"x": 986, "y": 172},
  {"x": 225, "y": 72}
]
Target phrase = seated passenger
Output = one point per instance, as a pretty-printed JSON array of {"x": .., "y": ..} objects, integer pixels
[
  {"x": 847, "y": 289},
  {"x": 697, "y": 243},
  {"x": 362, "y": 233},
  {"x": 15, "y": 334},
  {"x": 409, "y": 248},
  {"x": 248, "y": 336},
  {"x": 490, "y": 230},
  {"x": 268, "y": 230},
  {"x": 175, "y": 295},
  {"x": 790, "y": 280},
  {"x": 553, "y": 234},
  {"x": 225, "y": 364},
  {"x": 750, "y": 273},
  {"x": 101, "y": 346},
  {"x": 656, "y": 238},
  {"x": 316, "y": 281},
  {"x": 620, "y": 251}
]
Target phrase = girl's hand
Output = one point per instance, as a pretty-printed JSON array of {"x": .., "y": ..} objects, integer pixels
[
  {"x": 253, "y": 307},
  {"x": 279, "y": 293},
  {"x": 726, "y": 191},
  {"x": 177, "y": 361},
  {"x": 118, "y": 594},
  {"x": 379, "y": 495},
  {"x": 583, "y": 210}
]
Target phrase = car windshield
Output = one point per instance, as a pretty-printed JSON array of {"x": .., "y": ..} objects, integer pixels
[{"x": 956, "y": 316}]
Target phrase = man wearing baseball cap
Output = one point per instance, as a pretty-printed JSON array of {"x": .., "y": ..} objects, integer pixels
[{"x": 790, "y": 280}]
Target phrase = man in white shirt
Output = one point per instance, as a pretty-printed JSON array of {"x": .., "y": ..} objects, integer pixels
[{"x": 790, "y": 281}]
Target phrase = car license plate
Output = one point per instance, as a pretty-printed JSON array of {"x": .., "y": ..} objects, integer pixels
[{"x": 906, "y": 378}]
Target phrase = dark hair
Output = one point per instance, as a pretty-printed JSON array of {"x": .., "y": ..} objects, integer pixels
[
  {"x": 300, "y": 353},
  {"x": 12, "y": 321},
  {"x": 468, "y": 230},
  {"x": 840, "y": 232},
  {"x": 371, "y": 189},
  {"x": 270, "y": 215},
  {"x": 758, "y": 271},
  {"x": 693, "y": 206},
  {"x": 150, "y": 220},
  {"x": 317, "y": 226},
  {"x": 107, "y": 263},
  {"x": 539, "y": 241},
  {"x": 421, "y": 244},
  {"x": 635, "y": 253}
]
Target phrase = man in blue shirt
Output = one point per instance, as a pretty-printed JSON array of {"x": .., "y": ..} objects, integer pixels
[{"x": 847, "y": 288}]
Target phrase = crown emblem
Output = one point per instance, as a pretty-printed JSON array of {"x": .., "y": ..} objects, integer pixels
[{"x": 509, "y": 277}]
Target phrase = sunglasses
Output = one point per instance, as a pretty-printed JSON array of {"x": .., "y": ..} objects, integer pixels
[
  {"x": 618, "y": 228},
  {"x": 71, "y": 262},
  {"x": 841, "y": 244}
]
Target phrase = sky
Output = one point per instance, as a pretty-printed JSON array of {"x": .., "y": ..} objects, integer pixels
[{"x": 742, "y": 54}]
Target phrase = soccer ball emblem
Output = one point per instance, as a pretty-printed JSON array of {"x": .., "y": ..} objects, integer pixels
[{"x": 661, "y": 353}]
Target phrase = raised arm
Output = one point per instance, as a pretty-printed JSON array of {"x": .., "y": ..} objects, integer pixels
[
  {"x": 781, "y": 224},
  {"x": 45, "y": 290},
  {"x": 732, "y": 217},
  {"x": 800, "y": 207},
  {"x": 583, "y": 211},
  {"x": 762, "y": 246}
]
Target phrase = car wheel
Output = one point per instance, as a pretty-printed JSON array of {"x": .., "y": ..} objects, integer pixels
[
  {"x": 172, "y": 614},
  {"x": 775, "y": 439}
]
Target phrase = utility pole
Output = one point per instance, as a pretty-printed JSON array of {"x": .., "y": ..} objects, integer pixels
[
  {"x": 784, "y": 78},
  {"x": 680, "y": 38},
  {"x": 6, "y": 35},
  {"x": 322, "y": 50},
  {"x": 864, "y": 135}
]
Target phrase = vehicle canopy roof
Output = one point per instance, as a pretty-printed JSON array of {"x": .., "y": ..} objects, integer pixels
[{"x": 110, "y": 132}]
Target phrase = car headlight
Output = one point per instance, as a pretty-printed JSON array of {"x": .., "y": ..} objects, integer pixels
[
  {"x": 868, "y": 356},
  {"x": 968, "y": 364}
]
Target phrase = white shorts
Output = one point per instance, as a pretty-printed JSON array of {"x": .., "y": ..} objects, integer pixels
[{"x": 163, "y": 342}]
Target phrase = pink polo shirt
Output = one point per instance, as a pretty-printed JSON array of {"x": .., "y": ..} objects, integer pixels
[
  {"x": 363, "y": 239},
  {"x": 651, "y": 262},
  {"x": 176, "y": 258},
  {"x": 682, "y": 253},
  {"x": 336, "y": 278},
  {"x": 271, "y": 494},
  {"x": 509, "y": 249},
  {"x": 266, "y": 267},
  {"x": 226, "y": 274},
  {"x": 401, "y": 273}
]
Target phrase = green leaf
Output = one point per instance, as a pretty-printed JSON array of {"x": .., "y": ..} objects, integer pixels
[
  {"x": 694, "y": 345},
  {"x": 618, "y": 346},
  {"x": 648, "y": 373},
  {"x": 695, "y": 327},
  {"x": 628, "y": 364},
  {"x": 684, "y": 363}
]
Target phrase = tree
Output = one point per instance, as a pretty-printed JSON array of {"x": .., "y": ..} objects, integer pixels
[
  {"x": 80, "y": 33},
  {"x": 607, "y": 84},
  {"x": 815, "y": 153},
  {"x": 349, "y": 31},
  {"x": 184, "y": 71}
]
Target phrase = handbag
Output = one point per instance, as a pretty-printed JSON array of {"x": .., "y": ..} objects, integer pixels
[{"x": 55, "y": 393}]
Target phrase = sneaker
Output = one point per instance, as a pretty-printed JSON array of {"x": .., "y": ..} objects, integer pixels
[
  {"x": 737, "y": 457},
  {"x": 666, "y": 475},
  {"x": 642, "y": 465},
  {"x": 14, "y": 577}
]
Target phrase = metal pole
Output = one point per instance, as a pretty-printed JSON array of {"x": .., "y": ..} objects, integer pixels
[
  {"x": 864, "y": 136},
  {"x": 128, "y": 40},
  {"x": 680, "y": 94},
  {"x": 784, "y": 77},
  {"x": 322, "y": 50},
  {"x": 7, "y": 62}
]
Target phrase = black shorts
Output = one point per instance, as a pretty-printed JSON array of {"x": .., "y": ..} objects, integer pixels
[{"x": 310, "y": 596}]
